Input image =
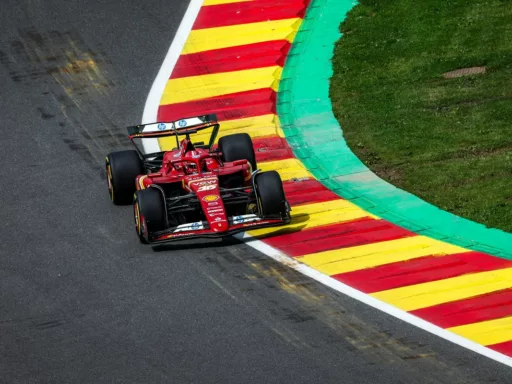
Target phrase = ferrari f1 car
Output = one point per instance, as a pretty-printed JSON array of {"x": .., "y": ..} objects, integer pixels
[{"x": 196, "y": 189}]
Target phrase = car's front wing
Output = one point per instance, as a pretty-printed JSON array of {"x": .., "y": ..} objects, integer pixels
[{"x": 201, "y": 229}]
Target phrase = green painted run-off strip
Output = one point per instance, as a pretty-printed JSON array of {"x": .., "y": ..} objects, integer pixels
[{"x": 305, "y": 111}]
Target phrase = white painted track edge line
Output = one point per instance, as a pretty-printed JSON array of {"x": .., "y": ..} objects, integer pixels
[
  {"x": 371, "y": 301},
  {"x": 150, "y": 115},
  {"x": 157, "y": 89}
]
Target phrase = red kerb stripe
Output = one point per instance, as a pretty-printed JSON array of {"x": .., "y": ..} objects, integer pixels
[
  {"x": 227, "y": 107},
  {"x": 505, "y": 348},
  {"x": 271, "y": 148},
  {"x": 259, "y": 55},
  {"x": 490, "y": 306},
  {"x": 307, "y": 192},
  {"x": 222, "y": 15},
  {"x": 421, "y": 270},
  {"x": 337, "y": 236}
]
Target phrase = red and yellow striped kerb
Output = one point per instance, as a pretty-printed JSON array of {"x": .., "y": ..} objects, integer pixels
[{"x": 231, "y": 65}]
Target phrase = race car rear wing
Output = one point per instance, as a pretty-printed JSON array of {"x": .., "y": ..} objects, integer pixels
[{"x": 183, "y": 126}]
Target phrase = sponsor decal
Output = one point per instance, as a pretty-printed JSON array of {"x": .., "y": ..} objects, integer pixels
[
  {"x": 206, "y": 188},
  {"x": 252, "y": 224},
  {"x": 215, "y": 211},
  {"x": 211, "y": 198},
  {"x": 189, "y": 227},
  {"x": 182, "y": 123},
  {"x": 215, "y": 204},
  {"x": 161, "y": 127},
  {"x": 218, "y": 219},
  {"x": 206, "y": 182},
  {"x": 175, "y": 235},
  {"x": 245, "y": 219}
]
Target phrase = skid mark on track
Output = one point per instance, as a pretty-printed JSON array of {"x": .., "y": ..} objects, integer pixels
[
  {"x": 76, "y": 76},
  {"x": 61, "y": 55},
  {"x": 282, "y": 331},
  {"x": 43, "y": 322},
  {"x": 293, "y": 305}
]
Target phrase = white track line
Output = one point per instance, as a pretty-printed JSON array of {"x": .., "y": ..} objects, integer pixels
[
  {"x": 157, "y": 89},
  {"x": 150, "y": 115},
  {"x": 371, "y": 301}
]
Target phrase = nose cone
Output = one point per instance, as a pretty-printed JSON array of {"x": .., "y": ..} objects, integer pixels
[
  {"x": 208, "y": 193},
  {"x": 219, "y": 226}
]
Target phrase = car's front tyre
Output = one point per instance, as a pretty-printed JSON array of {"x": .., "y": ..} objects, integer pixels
[
  {"x": 149, "y": 213},
  {"x": 270, "y": 193}
]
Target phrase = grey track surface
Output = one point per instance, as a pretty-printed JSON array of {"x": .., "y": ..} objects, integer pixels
[{"x": 82, "y": 301}]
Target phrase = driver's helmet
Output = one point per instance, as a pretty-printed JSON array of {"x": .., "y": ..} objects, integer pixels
[{"x": 190, "y": 167}]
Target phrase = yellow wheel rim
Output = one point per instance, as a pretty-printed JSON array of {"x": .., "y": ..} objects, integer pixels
[
  {"x": 137, "y": 217},
  {"x": 110, "y": 184}
]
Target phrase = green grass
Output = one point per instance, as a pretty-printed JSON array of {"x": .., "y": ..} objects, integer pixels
[{"x": 448, "y": 141}]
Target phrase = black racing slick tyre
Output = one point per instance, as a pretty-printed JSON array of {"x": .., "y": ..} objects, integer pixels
[
  {"x": 149, "y": 213},
  {"x": 271, "y": 198},
  {"x": 237, "y": 147},
  {"x": 122, "y": 168}
]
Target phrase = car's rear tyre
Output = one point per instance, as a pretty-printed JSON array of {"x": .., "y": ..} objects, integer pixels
[
  {"x": 237, "y": 147},
  {"x": 149, "y": 213},
  {"x": 122, "y": 168},
  {"x": 271, "y": 197}
]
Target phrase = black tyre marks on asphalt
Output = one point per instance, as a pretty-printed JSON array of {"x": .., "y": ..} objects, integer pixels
[
  {"x": 79, "y": 84},
  {"x": 317, "y": 320}
]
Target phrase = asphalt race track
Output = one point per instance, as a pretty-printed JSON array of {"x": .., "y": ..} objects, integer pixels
[{"x": 82, "y": 301}]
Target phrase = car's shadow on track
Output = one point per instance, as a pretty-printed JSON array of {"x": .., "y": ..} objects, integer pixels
[
  {"x": 227, "y": 241},
  {"x": 196, "y": 244}
]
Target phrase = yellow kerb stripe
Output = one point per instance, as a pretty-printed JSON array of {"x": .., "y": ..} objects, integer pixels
[
  {"x": 447, "y": 290},
  {"x": 375, "y": 254},
  {"x": 486, "y": 332},
  {"x": 256, "y": 126},
  {"x": 217, "y": 84},
  {"x": 208, "y": 39},
  {"x": 287, "y": 169},
  {"x": 217, "y": 2},
  {"x": 317, "y": 214}
]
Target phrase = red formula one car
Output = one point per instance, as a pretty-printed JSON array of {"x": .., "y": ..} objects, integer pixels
[{"x": 194, "y": 190}]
